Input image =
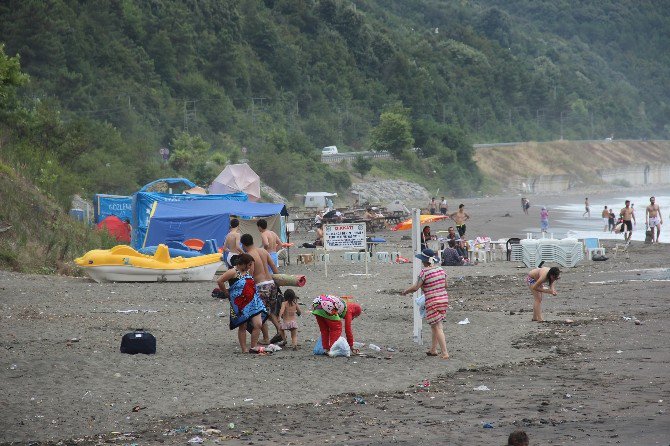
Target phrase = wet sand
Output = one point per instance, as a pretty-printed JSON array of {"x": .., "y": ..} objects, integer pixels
[{"x": 598, "y": 380}]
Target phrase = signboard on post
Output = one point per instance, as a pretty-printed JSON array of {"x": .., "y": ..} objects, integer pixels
[
  {"x": 165, "y": 153},
  {"x": 343, "y": 237}
]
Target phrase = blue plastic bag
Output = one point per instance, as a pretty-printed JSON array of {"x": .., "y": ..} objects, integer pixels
[
  {"x": 318, "y": 348},
  {"x": 421, "y": 302}
]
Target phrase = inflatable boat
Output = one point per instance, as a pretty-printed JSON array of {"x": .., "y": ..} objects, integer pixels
[{"x": 123, "y": 264}]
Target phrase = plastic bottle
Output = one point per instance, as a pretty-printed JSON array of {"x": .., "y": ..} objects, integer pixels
[{"x": 375, "y": 347}]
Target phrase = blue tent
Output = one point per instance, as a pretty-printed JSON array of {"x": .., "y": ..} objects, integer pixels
[
  {"x": 207, "y": 219},
  {"x": 143, "y": 202},
  {"x": 105, "y": 205},
  {"x": 179, "y": 183}
]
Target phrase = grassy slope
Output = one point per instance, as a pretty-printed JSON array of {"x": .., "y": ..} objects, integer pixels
[
  {"x": 42, "y": 237},
  {"x": 567, "y": 157}
]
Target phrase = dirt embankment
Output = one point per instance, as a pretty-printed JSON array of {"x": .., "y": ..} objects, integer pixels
[{"x": 579, "y": 158}]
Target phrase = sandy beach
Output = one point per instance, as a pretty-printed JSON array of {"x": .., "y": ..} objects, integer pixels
[{"x": 600, "y": 379}]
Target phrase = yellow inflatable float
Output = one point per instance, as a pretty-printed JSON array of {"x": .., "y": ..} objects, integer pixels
[{"x": 123, "y": 264}]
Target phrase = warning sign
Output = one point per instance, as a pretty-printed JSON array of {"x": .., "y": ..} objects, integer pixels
[{"x": 344, "y": 236}]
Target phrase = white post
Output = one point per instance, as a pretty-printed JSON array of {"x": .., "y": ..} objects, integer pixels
[
  {"x": 325, "y": 260},
  {"x": 367, "y": 258},
  {"x": 416, "y": 268}
]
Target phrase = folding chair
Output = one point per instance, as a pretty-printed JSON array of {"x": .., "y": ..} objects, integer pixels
[{"x": 592, "y": 246}]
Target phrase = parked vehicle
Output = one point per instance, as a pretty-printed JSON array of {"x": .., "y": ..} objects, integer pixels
[{"x": 329, "y": 150}]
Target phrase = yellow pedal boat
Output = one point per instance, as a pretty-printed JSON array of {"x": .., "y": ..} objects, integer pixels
[{"x": 123, "y": 264}]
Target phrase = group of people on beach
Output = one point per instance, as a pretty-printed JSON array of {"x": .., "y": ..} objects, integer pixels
[
  {"x": 626, "y": 221},
  {"x": 255, "y": 298}
]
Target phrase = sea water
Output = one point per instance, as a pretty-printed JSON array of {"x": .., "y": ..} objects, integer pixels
[{"x": 568, "y": 219}]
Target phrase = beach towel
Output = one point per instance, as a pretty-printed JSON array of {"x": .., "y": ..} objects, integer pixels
[{"x": 244, "y": 301}]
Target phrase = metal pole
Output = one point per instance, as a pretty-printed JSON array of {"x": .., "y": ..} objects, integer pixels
[{"x": 416, "y": 269}]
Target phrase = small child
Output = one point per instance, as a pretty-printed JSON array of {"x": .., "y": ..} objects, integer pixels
[{"x": 287, "y": 314}]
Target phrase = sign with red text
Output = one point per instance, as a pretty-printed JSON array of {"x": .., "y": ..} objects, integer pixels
[{"x": 344, "y": 236}]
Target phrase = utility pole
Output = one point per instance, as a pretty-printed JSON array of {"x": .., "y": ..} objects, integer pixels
[
  {"x": 253, "y": 108},
  {"x": 561, "y": 125},
  {"x": 591, "y": 124},
  {"x": 189, "y": 113}
]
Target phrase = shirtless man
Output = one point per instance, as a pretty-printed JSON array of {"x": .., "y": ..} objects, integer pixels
[
  {"x": 231, "y": 246},
  {"x": 627, "y": 214},
  {"x": 265, "y": 286},
  {"x": 460, "y": 217},
  {"x": 536, "y": 280},
  {"x": 432, "y": 206},
  {"x": 587, "y": 207},
  {"x": 654, "y": 219},
  {"x": 270, "y": 240}
]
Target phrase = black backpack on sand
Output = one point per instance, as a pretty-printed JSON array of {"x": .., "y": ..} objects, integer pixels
[{"x": 139, "y": 341}]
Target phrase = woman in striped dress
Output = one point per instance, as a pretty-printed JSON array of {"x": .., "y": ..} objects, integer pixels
[{"x": 433, "y": 282}]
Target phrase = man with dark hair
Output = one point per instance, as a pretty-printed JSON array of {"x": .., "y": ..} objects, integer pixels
[
  {"x": 460, "y": 244},
  {"x": 270, "y": 240},
  {"x": 627, "y": 214},
  {"x": 232, "y": 246},
  {"x": 265, "y": 286},
  {"x": 517, "y": 438},
  {"x": 654, "y": 219},
  {"x": 460, "y": 217},
  {"x": 443, "y": 206}
]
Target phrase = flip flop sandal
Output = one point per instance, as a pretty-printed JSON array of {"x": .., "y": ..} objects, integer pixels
[
  {"x": 259, "y": 351},
  {"x": 431, "y": 354}
]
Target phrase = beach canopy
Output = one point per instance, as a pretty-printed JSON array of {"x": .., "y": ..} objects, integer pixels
[
  {"x": 425, "y": 219},
  {"x": 237, "y": 178},
  {"x": 168, "y": 185},
  {"x": 206, "y": 219}
]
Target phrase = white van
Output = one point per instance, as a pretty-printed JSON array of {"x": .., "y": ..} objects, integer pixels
[{"x": 329, "y": 150}]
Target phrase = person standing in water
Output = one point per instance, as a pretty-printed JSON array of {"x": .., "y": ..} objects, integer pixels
[
  {"x": 606, "y": 217},
  {"x": 587, "y": 207},
  {"x": 544, "y": 219}
]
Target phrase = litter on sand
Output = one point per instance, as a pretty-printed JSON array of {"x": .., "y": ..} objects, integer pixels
[
  {"x": 482, "y": 388},
  {"x": 464, "y": 321}
]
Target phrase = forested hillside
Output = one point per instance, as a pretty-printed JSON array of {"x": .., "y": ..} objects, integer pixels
[{"x": 109, "y": 83}]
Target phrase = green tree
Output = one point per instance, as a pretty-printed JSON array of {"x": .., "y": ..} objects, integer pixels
[
  {"x": 393, "y": 134},
  {"x": 188, "y": 151},
  {"x": 11, "y": 78},
  {"x": 362, "y": 165}
]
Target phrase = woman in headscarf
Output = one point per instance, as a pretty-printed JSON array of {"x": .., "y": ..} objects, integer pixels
[
  {"x": 432, "y": 281},
  {"x": 330, "y": 311}
]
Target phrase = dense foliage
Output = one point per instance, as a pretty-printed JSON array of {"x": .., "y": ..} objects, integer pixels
[{"x": 273, "y": 80}]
